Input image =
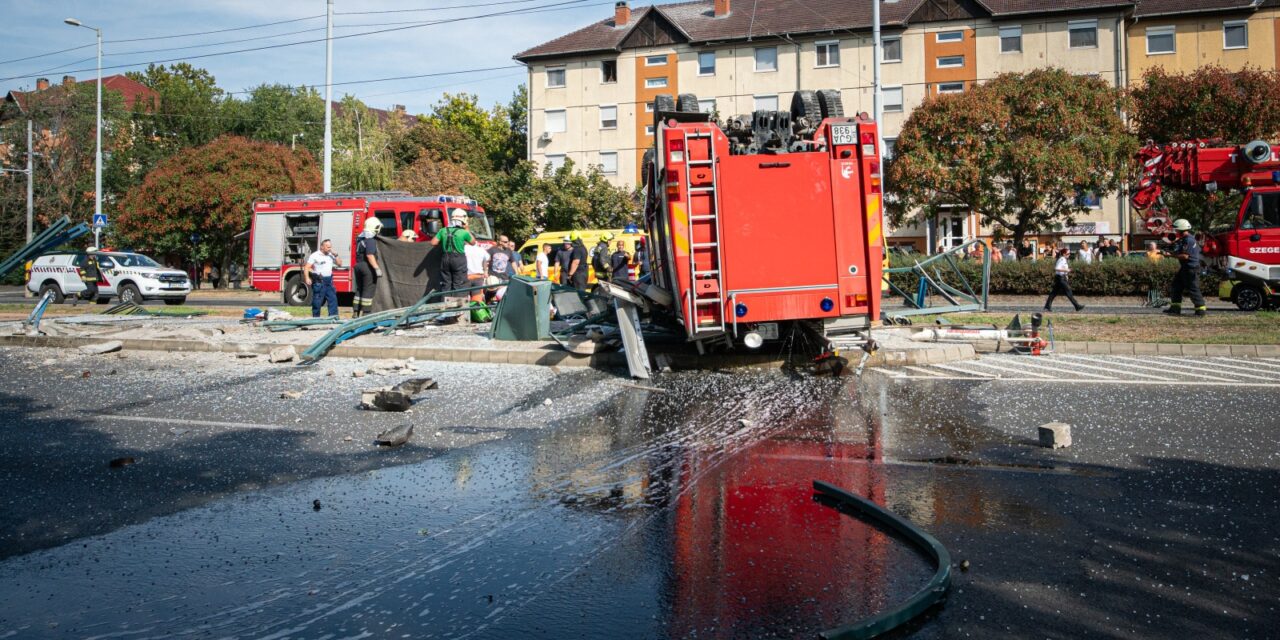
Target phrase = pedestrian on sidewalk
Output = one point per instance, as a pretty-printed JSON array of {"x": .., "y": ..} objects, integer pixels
[
  {"x": 1153, "y": 253},
  {"x": 564, "y": 260},
  {"x": 317, "y": 273},
  {"x": 1187, "y": 280},
  {"x": 453, "y": 240},
  {"x": 1085, "y": 255},
  {"x": 501, "y": 259},
  {"x": 367, "y": 270},
  {"x": 1010, "y": 252},
  {"x": 542, "y": 263},
  {"x": 1061, "y": 281},
  {"x": 477, "y": 269}
]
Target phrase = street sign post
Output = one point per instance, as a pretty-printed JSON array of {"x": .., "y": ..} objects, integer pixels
[{"x": 99, "y": 221}]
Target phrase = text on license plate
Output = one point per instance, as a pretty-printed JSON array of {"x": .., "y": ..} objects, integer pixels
[{"x": 844, "y": 134}]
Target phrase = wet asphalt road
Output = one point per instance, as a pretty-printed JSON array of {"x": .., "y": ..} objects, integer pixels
[{"x": 618, "y": 512}]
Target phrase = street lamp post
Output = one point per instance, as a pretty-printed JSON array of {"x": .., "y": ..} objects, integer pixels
[
  {"x": 97, "y": 168},
  {"x": 293, "y": 143}
]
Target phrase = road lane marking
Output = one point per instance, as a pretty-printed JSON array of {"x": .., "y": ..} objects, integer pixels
[
  {"x": 1178, "y": 383},
  {"x": 923, "y": 371},
  {"x": 1139, "y": 364},
  {"x": 1252, "y": 361},
  {"x": 1178, "y": 363},
  {"x": 186, "y": 422},
  {"x": 1061, "y": 370},
  {"x": 997, "y": 367},
  {"x": 1114, "y": 368},
  {"x": 961, "y": 369}
]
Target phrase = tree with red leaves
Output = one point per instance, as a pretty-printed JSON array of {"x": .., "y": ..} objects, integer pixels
[
  {"x": 208, "y": 191},
  {"x": 1211, "y": 102}
]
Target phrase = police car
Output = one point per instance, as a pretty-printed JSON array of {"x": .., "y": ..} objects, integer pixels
[{"x": 132, "y": 277}]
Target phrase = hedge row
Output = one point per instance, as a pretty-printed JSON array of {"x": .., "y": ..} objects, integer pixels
[{"x": 1116, "y": 277}]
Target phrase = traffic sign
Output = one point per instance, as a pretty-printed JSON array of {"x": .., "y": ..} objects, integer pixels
[{"x": 99, "y": 220}]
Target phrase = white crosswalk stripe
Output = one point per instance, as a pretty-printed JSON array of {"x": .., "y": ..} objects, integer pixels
[{"x": 1102, "y": 369}]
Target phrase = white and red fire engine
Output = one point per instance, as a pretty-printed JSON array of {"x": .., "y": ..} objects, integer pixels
[
  {"x": 288, "y": 228},
  {"x": 1247, "y": 250}
]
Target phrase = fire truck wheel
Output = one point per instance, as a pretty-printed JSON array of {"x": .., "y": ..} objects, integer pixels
[
  {"x": 175, "y": 301},
  {"x": 830, "y": 103},
  {"x": 296, "y": 292},
  {"x": 687, "y": 103},
  {"x": 57, "y": 292},
  {"x": 1247, "y": 297},
  {"x": 804, "y": 104},
  {"x": 664, "y": 103},
  {"x": 130, "y": 293}
]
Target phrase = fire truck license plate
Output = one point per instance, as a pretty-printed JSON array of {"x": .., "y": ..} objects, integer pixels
[
  {"x": 844, "y": 134},
  {"x": 768, "y": 330}
]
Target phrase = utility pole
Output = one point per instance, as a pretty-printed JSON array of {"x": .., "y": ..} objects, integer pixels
[
  {"x": 328, "y": 97},
  {"x": 877, "y": 107},
  {"x": 97, "y": 174},
  {"x": 30, "y": 185}
]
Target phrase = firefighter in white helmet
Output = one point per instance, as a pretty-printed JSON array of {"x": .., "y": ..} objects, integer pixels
[
  {"x": 366, "y": 266},
  {"x": 453, "y": 241},
  {"x": 1187, "y": 280}
]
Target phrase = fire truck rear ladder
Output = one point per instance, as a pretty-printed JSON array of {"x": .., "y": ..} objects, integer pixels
[{"x": 711, "y": 221}]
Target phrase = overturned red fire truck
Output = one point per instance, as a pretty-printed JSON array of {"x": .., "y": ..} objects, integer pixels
[
  {"x": 287, "y": 228},
  {"x": 766, "y": 224}
]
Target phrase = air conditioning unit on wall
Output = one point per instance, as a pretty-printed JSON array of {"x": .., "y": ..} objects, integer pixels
[{"x": 545, "y": 137}]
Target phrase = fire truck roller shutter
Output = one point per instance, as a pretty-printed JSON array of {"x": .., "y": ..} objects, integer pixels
[
  {"x": 1258, "y": 151},
  {"x": 268, "y": 240},
  {"x": 337, "y": 228},
  {"x": 830, "y": 103}
]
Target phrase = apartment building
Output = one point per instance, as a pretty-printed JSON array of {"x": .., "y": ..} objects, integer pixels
[{"x": 591, "y": 90}]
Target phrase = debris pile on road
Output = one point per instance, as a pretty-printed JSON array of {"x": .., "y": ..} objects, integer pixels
[
  {"x": 396, "y": 398},
  {"x": 395, "y": 437}
]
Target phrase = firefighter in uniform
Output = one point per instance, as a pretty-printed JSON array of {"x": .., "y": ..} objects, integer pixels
[
  {"x": 578, "y": 265},
  {"x": 453, "y": 240},
  {"x": 90, "y": 274},
  {"x": 366, "y": 267},
  {"x": 1187, "y": 280}
]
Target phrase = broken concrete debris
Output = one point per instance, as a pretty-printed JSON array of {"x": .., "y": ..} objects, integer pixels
[
  {"x": 357, "y": 374},
  {"x": 397, "y": 398},
  {"x": 291, "y": 395},
  {"x": 102, "y": 347},
  {"x": 396, "y": 436},
  {"x": 1055, "y": 435},
  {"x": 282, "y": 354},
  {"x": 389, "y": 367}
]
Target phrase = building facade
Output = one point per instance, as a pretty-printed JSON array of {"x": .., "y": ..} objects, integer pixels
[{"x": 591, "y": 91}]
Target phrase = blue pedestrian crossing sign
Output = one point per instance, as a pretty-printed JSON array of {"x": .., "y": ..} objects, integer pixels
[{"x": 99, "y": 219}]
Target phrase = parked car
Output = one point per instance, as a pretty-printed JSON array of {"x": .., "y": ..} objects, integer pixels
[{"x": 131, "y": 277}]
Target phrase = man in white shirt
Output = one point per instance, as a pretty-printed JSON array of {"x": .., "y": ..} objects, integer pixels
[
  {"x": 1085, "y": 255},
  {"x": 477, "y": 267},
  {"x": 542, "y": 263},
  {"x": 317, "y": 273},
  {"x": 1061, "y": 283}
]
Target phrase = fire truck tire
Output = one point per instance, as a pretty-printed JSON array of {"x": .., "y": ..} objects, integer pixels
[
  {"x": 129, "y": 293},
  {"x": 804, "y": 104},
  {"x": 664, "y": 102},
  {"x": 57, "y": 292},
  {"x": 830, "y": 103},
  {"x": 687, "y": 103},
  {"x": 296, "y": 292},
  {"x": 1247, "y": 297},
  {"x": 646, "y": 166},
  {"x": 175, "y": 301}
]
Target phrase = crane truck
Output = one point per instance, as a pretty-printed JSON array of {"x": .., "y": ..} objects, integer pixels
[
  {"x": 1247, "y": 250},
  {"x": 765, "y": 225}
]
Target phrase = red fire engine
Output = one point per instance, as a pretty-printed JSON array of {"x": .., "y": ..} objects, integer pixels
[
  {"x": 1247, "y": 250},
  {"x": 288, "y": 228},
  {"x": 766, "y": 222}
]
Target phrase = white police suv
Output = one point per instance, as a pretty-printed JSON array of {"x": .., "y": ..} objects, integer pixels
[{"x": 132, "y": 277}]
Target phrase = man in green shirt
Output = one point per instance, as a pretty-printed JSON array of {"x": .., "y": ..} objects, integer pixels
[{"x": 453, "y": 240}]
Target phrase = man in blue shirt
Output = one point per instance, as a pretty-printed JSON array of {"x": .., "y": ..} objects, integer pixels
[{"x": 1187, "y": 280}]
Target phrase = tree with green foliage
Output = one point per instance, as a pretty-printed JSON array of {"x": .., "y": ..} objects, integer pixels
[
  {"x": 209, "y": 191},
  {"x": 362, "y": 145},
  {"x": 1018, "y": 150},
  {"x": 191, "y": 110},
  {"x": 523, "y": 201},
  {"x": 276, "y": 112},
  {"x": 1211, "y": 103}
]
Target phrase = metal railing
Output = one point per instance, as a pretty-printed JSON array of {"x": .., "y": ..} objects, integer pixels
[{"x": 960, "y": 296}]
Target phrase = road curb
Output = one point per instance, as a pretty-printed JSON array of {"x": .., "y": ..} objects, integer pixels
[
  {"x": 538, "y": 357},
  {"x": 1153, "y": 349}
]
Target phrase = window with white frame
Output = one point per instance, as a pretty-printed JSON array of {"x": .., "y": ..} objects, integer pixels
[
  {"x": 829, "y": 54},
  {"x": 951, "y": 87},
  {"x": 891, "y": 49},
  {"x": 1082, "y": 34},
  {"x": 648, "y": 130},
  {"x": 608, "y": 71},
  {"x": 555, "y": 161},
  {"x": 655, "y": 83},
  {"x": 1160, "y": 40},
  {"x": 706, "y": 63},
  {"x": 1235, "y": 34},
  {"x": 655, "y": 61},
  {"x": 890, "y": 145},
  {"x": 766, "y": 59},
  {"x": 608, "y": 116},
  {"x": 609, "y": 162},
  {"x": 891, "y": 97},
  {"x": 1011, "y": 39},
  {"x": 648, "y": 107},
  {"x": 555, "y": 77},
  {"x": 950, "y": 36},
  {"x": 950, "y": 62},
  {"x": 766, "y": 103},
  {"x": 554, "y": 121},
  {"x": 707, "y": 106}
]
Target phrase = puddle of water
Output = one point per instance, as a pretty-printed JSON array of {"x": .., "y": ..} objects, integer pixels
[{"x": 680, "y": 514}]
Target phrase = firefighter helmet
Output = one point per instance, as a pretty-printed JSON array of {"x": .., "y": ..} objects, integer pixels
[
  {"x": 1181, "y": 224},
  {"x": 458, "y": 217},
  {"x": 574, "y": 236},
  {"x": 409, "y": 235},
  {"x": 608, "y": 236},
  {"x": 373, "y": 225}
]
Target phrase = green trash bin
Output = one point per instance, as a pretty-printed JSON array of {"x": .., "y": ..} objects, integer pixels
[{"x": 525, "y": 311}]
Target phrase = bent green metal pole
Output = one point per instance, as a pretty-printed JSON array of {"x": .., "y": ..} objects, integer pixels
[{"x": 932, "y": 593}]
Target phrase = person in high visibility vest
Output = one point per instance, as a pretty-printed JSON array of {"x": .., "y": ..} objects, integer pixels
[{"x": 90, "y": 274}]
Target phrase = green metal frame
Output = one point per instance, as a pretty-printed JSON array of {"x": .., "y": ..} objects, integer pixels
[
  {"x": 960, "y": 300},
  {"x": 58, "y": 233},
  {"x": 932, "y": 594}
]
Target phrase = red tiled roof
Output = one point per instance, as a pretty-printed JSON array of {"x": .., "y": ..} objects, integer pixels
[
  {"x": 131, "y": 90},
  {"x": 1153, "y": 8},
  {"x": 755, "y": 19}
]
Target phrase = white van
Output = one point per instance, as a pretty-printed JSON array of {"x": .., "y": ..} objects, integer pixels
[{"x": 132, "y": 277}]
